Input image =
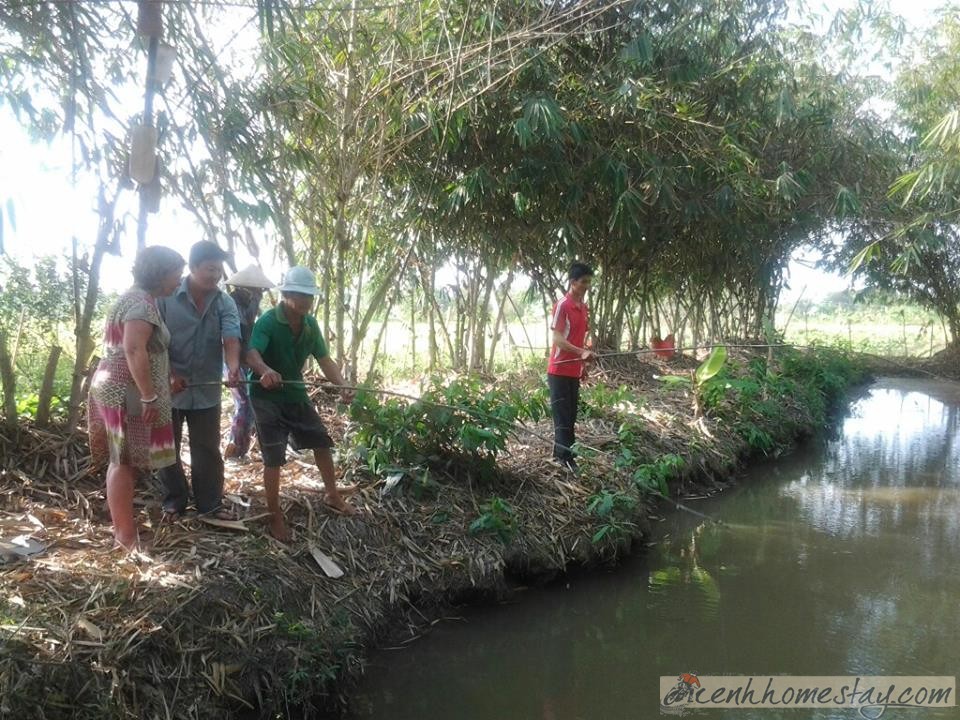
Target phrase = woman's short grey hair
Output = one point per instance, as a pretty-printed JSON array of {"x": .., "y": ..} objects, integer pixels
[{"x": 153, "y": 264}]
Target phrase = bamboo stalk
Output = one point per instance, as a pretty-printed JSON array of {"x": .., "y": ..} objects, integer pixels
[
  {"x": 46, "y": 388},
  {"x": 8, "y": 382}
]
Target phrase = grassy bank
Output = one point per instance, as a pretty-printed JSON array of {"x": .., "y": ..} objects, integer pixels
[{"x": 223, "y": 621}]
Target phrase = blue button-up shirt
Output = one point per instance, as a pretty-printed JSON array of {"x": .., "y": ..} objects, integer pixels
[{"x": 196, "y": 342}]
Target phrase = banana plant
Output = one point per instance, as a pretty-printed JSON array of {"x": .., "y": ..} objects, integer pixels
[{"x": 699, "y": 377}]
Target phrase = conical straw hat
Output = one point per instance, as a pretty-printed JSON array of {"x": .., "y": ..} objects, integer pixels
[{"x": 251, "y": 277}]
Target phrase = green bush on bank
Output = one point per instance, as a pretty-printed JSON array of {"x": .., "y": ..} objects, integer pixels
[
  {"x": 461, "y": 425},
  {"x": 798, "y": 389}
]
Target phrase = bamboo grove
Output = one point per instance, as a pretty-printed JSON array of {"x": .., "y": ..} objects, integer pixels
[{"x": 687, "y": 149}]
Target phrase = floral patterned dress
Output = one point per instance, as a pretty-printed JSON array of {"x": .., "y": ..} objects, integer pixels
[{"x": 118, "y": 433}]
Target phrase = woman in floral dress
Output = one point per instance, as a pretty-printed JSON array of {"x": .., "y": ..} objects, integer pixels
[{"x": 129, "y": 406}]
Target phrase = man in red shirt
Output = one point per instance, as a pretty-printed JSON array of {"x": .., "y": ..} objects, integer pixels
[{"x": 567, "y": 358}]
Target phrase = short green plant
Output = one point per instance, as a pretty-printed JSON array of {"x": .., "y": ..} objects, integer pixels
[
  {"x": 460, "y": 421},
  {"x": 704, "y": 372},
  {"x": 496, "y": 517},
  {"x": 756, "y": 438},
  {"x": 424, "y": 487},
  {"x": 600, "y": 400},
  {"x": 315, "y": 664},
  {"x": 613, "y": 508},
  {"x": 654, "y": 476}
]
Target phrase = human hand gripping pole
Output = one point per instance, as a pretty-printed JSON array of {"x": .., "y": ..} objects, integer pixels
[{"x": 270, "y": 379}]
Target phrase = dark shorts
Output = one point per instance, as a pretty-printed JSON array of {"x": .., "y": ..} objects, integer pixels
[{"x": 279, "y": 422}]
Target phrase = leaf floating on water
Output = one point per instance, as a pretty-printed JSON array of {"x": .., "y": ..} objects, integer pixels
[{"x": 326, "y": 563}]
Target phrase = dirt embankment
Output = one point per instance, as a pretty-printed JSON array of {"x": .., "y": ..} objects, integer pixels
[{"x": 222, "y": 621}]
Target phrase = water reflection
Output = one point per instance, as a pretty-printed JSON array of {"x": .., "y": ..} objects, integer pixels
[{"x": 837, "y": 560}]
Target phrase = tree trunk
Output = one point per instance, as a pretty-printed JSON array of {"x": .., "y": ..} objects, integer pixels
[
  {"x": 523, "y": 325},
  {"x": 383, "y": 328},
  {"x": 84, "y": 342},
  {"x": 432, "y": 319},
  {"x": 399, "y": 268},
  {"x": 356, "y": 337},
  {"x": 15, "y": 350},
  {"x": 9, "y": 385},
  {"x": 502, "y": 304},
  {"x": 344, "y": 186},
  {"x": 149, "y": 90},
  {"x": 953, "y": 322},
  {"x": 413, "y": 330},
  {"x": 547, "y": 319},
  {"x": 286, "y": 234},
  {"x": 325, "y": 289},
  {"x": 481, "y": 322},
  {"x": 46, "y": 389},
  {"x": 437, "y": 312}
]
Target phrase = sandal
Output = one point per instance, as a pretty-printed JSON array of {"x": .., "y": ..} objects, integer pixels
[{"x": 221, "y": 513}]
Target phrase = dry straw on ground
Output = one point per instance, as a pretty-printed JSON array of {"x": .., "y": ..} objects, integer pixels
[{"x": 222, "y": 621}]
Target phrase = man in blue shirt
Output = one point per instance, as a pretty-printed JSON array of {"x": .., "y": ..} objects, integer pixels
[{"x": 204, "y": 331}]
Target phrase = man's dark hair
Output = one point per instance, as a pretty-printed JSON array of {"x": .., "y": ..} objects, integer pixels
[
  {"x": 205, "y": 251},
  {"x": 579, "y": 270}
]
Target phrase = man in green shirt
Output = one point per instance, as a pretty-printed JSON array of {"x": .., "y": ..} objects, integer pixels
[{"x": 282, "y": 340}]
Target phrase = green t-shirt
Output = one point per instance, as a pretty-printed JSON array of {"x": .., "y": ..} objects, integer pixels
[{"x": 274, "y": 340}]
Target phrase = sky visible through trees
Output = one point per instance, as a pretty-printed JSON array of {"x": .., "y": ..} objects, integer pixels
[
  {"x": 43, "y": 170},
  {"x": 442, "y": 160}
]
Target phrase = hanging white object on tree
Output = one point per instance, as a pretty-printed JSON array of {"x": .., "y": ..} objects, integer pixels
[
  {"x": 163, "y": 68},
  {"x": 143, "y": 153}
]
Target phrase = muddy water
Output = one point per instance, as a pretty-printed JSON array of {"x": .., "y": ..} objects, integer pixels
[{"x": 842, "y": 559}]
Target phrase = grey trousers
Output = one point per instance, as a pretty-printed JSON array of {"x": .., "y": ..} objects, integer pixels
[{"x": 206, "y": 463}]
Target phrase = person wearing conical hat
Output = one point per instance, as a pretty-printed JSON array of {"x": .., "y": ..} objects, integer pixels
[
  {"x": 283, "y": 338},
  {"x": 246, "y": 288}
]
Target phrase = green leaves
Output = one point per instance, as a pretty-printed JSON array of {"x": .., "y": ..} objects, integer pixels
[
  {"x": 496, "y": 517},
  {"x": 638, "y": 52},
  {"x": 605, "y": 503},
  {"x": 787, "y": 186},
  {"x": 712, "y": 365},
  {"x": 654, "y": 476},
  {"x": 847, "y": 204},
  {"x": 454, "y": 422},
  {"x": 542, "y": 121},
  {"x": 785, "y": 107},
  {"x": 945, "y": 135}
]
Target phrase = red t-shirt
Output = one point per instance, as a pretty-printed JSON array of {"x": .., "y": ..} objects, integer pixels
[{"x": 570, "y": 318}]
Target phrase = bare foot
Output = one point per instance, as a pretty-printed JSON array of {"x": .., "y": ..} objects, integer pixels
[
  {"x": 279, "y": 529},
  {"x": 130, "y": 544},
  {"x": 338, "y": 504}
]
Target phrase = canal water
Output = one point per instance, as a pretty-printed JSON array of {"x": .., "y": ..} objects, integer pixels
[{"x": 841, "y": 559}]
